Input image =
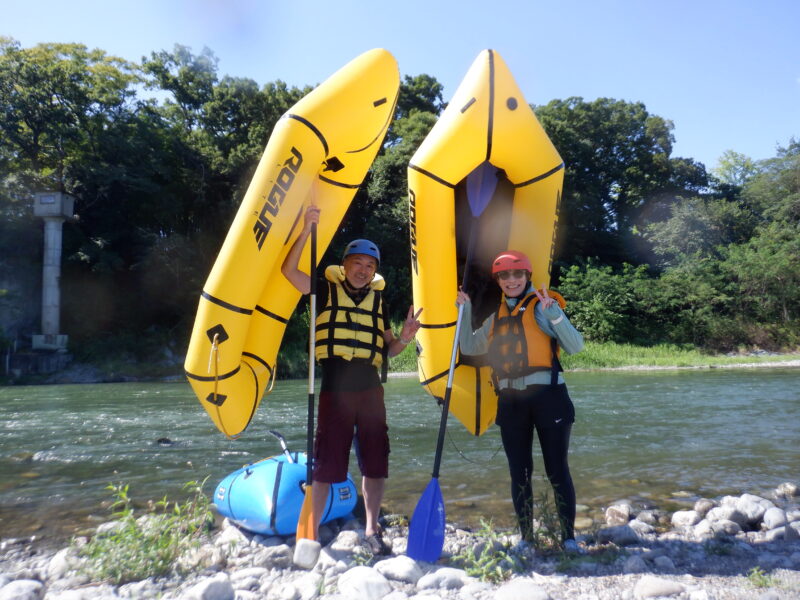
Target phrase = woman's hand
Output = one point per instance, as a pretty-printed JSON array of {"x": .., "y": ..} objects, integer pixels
[
  {"x": 544, "y": 298},
  {"x": 462, "y": 297}
]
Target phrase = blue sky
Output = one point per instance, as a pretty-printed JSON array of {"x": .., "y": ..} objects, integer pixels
[{"x": 726, "y": 73}]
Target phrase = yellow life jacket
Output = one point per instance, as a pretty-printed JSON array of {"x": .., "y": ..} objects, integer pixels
[
  {"x": 517, "y": 346},
  {"x": 347, "y": 330}
]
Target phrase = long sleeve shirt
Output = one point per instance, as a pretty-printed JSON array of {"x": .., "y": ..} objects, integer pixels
[{"x": 551, "y": 321}]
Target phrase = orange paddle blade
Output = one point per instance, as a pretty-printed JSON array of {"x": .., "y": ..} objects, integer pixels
[{"x": 305, "y": 524}]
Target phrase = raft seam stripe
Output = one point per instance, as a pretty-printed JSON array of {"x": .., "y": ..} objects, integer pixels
[
  {"x": 432, "y": 176},
  {"x": 255, "y": 400},
  {"x": 439, "y": 375},
  {"x": 544, "y": 175},
  {"x": 383, "y": 130},
  {"x": 294, "y": 225},
  {"x": 311, "y": 126},
  {"x": 437, "y": 325},
  {"x": 273, "y": 515},
  {"x": 259, "y": 360},
  {"x": 203, "y": 378},
  {"x": 226, "y": 305},
  {"x": 468, "y": 104},
  {"x": 477, "y": 402},
  {"x": 349, "y": 186},
  {"x": 490, "y": 128},
  {"x": 271, "y": 315}
]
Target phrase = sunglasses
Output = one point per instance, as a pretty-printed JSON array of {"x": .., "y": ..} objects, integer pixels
[{"x": 515, "y": 273}]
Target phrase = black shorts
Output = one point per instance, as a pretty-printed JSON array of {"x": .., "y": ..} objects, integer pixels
[{"x": 542, "y": 406}]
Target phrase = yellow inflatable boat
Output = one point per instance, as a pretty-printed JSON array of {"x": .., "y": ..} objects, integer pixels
[
  {"x": 487, "y": 121},
  {"x": 320, "y": 149}
]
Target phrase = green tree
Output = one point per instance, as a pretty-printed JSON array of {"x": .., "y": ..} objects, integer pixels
[
  {"x": 618, "y": 163},
  {"x": 700, "y": 227}
]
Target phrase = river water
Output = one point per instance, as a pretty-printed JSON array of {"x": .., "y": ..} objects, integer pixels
[{"x": 654, "y": 437}]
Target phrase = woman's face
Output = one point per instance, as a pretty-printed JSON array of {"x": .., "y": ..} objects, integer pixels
[{"x": 512, "y": 282}]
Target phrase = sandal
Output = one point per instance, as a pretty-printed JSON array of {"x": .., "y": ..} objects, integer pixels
[{"x": 376, "y": 545}]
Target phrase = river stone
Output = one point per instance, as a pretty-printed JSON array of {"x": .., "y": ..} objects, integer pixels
[
  {"x": 634, "y": 564},
  {"x": 787, "y": 490},
  {"x": 725, "y": 527},
  {"x": 275, "y": 557},
  {"x": 652, "y": 587},
  {"x": 621, "y": 535},
  {"x": 524, "y": 588},
  {"x": 618, "y": 514},
  {"x": 583, "y": 523},
  {"x": 59, "y": 564},
  {"x": 446, "y": 578},
  {"x": 664, "y": 563},
  {"x": 346, "y": 541},
  {"x": 331, "y": 563},
  {"x": 249, "y": 573},
  {"x": 727, "y": 513},
  {"x": 475, "y": 590},
  {"x": 703, "y": 505},
  {"x": 231, "y": 536},
  {"x": 774, "y": 517},
  {"x": 22, "y": 589},
  {"x": 685, "y": 518},
  {"x": 75, "y": 595},
  {"x": 217, "y": 587},
  {"x": 640, "y": 527},
  {"x": 647, "y": 516},
  {"x": 308, "y": 585},
  {"x": 363, "y": 583},
  {"x": 306, "y": 553},
  {"x": 400, "y": 568}
]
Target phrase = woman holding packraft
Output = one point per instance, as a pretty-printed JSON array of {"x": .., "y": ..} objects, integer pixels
[{"x": 522, "y": 341}]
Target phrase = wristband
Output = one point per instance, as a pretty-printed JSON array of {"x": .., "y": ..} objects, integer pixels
[{"x": 405, "y": 342}]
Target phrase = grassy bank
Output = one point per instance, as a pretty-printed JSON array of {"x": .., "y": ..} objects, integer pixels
[{"x": 611, "y": 355}]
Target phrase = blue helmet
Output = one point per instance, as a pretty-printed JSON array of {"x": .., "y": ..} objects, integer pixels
[{"x": 362, "y": 247}]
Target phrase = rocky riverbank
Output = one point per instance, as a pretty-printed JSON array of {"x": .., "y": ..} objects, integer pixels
[{"x": 734, "y": 547}]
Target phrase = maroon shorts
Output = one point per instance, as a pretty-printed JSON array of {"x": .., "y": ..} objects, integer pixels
[{"x": 342, "y": 417}]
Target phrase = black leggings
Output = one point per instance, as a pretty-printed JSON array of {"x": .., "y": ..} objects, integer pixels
[{"x": 517, "y": 420}]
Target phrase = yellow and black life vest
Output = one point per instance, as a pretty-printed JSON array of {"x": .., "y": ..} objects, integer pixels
[
  {"x": 347, "y": 330},
  {"x": 517, "y": 345}
]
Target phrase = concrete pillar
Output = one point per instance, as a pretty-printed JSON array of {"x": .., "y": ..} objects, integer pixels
[
  {"x": 53, "y": 207},
  {"x": 51, "y": 276}
]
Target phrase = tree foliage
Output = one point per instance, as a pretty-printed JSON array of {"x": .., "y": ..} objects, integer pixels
[{"x": 159, "y": 155}]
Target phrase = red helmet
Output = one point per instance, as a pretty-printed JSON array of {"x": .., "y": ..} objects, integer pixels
[{"x": 509, "y": 260}]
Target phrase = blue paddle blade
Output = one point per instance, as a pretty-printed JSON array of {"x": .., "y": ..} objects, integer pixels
[
  {"x": 481, "y": 183},
  {"x": 426, "y": 531}
]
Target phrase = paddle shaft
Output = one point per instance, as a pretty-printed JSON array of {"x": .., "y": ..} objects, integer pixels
[
  {"x": 312, "y": 300},
  {"x": 437, "y": 461},
  {"x": 282, "y": 440}
]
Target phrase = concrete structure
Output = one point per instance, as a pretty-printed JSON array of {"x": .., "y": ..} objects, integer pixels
[{"x": 53, "y": 207}]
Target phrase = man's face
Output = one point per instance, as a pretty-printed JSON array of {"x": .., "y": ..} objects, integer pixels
[{"x": 359, "y": 269}]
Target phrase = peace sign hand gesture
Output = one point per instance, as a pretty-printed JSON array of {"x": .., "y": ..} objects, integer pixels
[
  {"x": 544, "y": 297},
  {"x": 410, "y": 325}
]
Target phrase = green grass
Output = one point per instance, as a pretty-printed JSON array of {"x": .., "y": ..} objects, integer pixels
[
  {"x": 138, "y": 548},
  {"x": 759, "y": 578},
  {"x": 611, "y": 355},
  {"x": 487, "y": 559}
]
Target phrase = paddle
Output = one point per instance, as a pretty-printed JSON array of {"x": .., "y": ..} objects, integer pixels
[
  {"x": 426, "y": 531},
  {"x": 305, "y": 524},
  {"x": 282, "y": 441}
]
